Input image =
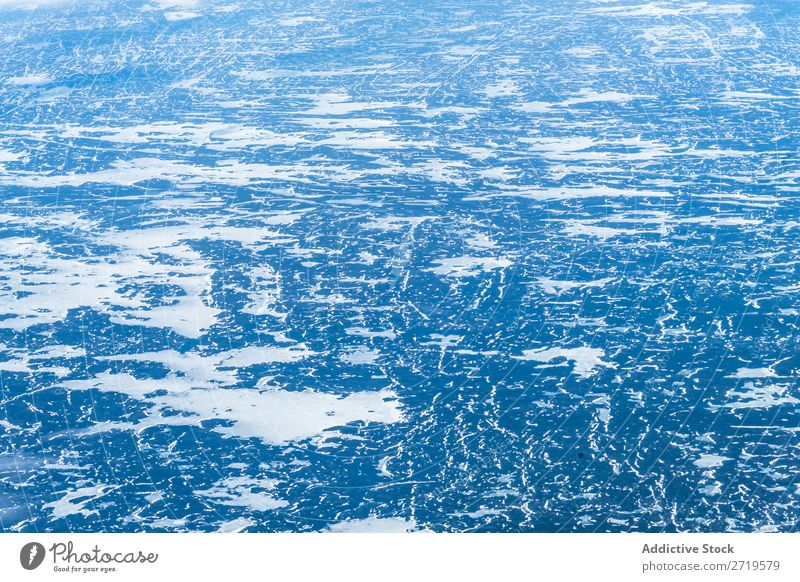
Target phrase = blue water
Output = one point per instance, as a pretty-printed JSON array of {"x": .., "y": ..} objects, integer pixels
[{"x": 370, "y": 266}]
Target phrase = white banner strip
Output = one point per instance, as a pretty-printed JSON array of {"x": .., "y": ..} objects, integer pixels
[{"x": 425, "y": 557}]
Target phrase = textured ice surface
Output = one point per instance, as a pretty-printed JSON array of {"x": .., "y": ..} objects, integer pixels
[{"x": 399, "y": 266}]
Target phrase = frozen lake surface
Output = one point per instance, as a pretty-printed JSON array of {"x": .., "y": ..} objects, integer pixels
[{"x": 393, "y": 266}]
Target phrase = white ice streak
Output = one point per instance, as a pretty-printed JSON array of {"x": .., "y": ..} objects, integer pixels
[
  {"x": 665, "y": 9},
  {"x": 554, "y": 287},
  {"x": 137, "y": 170},
  {"x": 467, "y": 266}
]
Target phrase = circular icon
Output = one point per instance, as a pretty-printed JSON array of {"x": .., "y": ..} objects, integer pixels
[{"x": 31, "y": 555}]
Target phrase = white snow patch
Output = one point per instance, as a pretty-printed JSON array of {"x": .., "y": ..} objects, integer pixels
[
  {"x": 275, "y": 416},
  {"x": 753, "y": 396},
  {"x": 244, "y": 492},
  {"x": 360, "y": 355},
  {"x": 30, "y": 80},
  {"x": 75, "y": 502},
  {"x": 585, "y": 360},
  {"x": 375, "y": 525},
  {"x": 340, "y": 104},
  {"x": 502, "y": 88},
  {"x": 709, "y": 461},
  {"x": 235, "y": 525},
  {"x": 754, "y": 373}
]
